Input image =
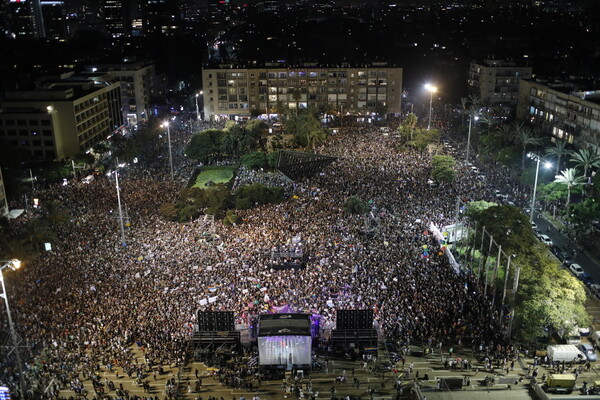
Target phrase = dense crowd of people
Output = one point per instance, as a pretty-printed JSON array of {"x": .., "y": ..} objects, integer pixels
[{"x": 85, "y": 302}]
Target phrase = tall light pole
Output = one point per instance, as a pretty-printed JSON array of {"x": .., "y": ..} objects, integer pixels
[
  {"x": 166, "y": 124},
  {"x": 537, "y": 158},
  {"x": 13, "y": 265},
  {"x": 431, "y": 89},
  {"x": 116, "y": 172},
  {"x": 197, "y": 109},
  {"x": 469, "y": 136}
]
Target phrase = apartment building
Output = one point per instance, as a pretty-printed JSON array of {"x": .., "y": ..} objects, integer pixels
[
  {"x": 136, "y": 80},
  {"x": 60, "y": 119},
  {"x": 565, "y": 109},
  {"x": 232, "y": 91},
  {"x": 497, "y": 82}
]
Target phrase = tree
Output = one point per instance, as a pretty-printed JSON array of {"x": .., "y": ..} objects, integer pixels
[
  {"x": 257, "y": 129},
  {"x": 569, "y": 177},
  {"x": 524, "y": 137},
  {"x": 18, "y": 248},
  {"x": 558, "y": 149},
  {"x": 55, "y": 212},
  {"x": 487, "y": 119},
  {"x": 37, "y": 233},
  {"x": 581, "y": 214},
  {"x": 463, "y": 104},
  {"x": 509, "y": 226},
  {"x": 586, "y": 159},
  {"x": 474, "y": 208},
  {"x": 205, "y": 145},
  {"x": 254, "y": 160},
  {"x": 407, "y": 127},
  {"x": 306, "y": 129},
  {"x": 354, "y": 205},
  {"x": 423, "y": 138}
]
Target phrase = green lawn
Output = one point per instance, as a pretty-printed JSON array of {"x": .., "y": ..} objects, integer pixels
[{"x": 215, "y": 174}]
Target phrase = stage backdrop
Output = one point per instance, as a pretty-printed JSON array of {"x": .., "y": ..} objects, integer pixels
[
  {"x": 283, "y": 350},
  {"x": 284, "y": 339}
]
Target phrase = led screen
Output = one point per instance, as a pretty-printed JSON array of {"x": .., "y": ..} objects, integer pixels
[{"x": 284, "y": 350}]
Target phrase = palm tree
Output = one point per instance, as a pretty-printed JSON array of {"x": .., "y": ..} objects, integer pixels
[
  {"x": 559, "y": 149},
  {"x": 55, "y": 212},
  {"x": 525, "y": 137},
  {"x": 586, "y": 158},
  {"x": 487, "y": 119},
  {"x": 569, "y": 177},
  {"x": 38, "y": 233},
  {"x": 463, "y": 103},
  {"x": 16, "y": 248}
]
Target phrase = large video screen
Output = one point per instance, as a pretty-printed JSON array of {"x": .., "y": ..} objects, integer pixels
[{"x": 283, "y": 350}]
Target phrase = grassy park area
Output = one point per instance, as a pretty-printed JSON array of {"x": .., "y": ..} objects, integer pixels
[{"x": 213, "y": 175}]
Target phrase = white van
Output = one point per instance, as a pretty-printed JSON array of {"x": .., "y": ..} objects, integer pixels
[
  {"x": 595, "y": 338},
  {"x": 565, "y": 352}
]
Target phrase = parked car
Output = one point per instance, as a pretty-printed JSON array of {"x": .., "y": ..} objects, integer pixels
[
  {"x": 554, "y": 249},
  {"x": 546, "y": 240},
  {"x": 588, "y": 350},
  {"x": 533, "y": 225},
  {"x": 576, "y": 269},
  {"x": 538, "y": 233},
  {"x": 586, "y": 278},
  {"x": 595, "y": 289}
]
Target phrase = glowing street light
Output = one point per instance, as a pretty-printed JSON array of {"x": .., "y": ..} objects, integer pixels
[
  {"x": 547, "y": 164},
  {"x": 471, "y": 117},
  {"x": 13, "y": 265},
  {"x": 166, "y": 124},
  {"x": 431, "y": 89}
]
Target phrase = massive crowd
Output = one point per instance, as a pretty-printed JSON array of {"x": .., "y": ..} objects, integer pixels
[{"x": 83, "y": 303}]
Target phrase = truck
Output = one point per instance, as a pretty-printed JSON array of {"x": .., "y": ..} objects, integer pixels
[
  {"x": 560, "y": 383},
  {"x": 566, "y": 353}
]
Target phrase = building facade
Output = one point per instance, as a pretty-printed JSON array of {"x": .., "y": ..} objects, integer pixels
[
  {"x": 570, "y": 114},
  {"x": 137, "y": 85},
  {"x": 497, "y": 82},
  {"x": 231, "y": 91},
  {"x": 61, "y": 119}
]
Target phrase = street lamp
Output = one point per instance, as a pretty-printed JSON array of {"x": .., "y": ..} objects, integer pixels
[
  {"x": 537, "y": 158},
  {"x": 116, "y": 172},
  {"x": 471, "y": 117},
  {"x": 197, "y": 109},
  {"x": 166, "y": 124},
  {"x": 431, "y": 89},
  {"x": 13, "y": 264}
]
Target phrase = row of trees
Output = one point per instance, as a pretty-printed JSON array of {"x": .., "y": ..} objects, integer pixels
[
  {"x": 509, "y": 142},
  {"x": 31, "y": 238},
  {"x": 548, "y": 298},
  {"x": 219, "y": 201}
]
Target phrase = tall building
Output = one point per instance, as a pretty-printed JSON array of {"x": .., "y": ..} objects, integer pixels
[
  {"x": 136, "y": 81},
  {"x": 55, "y": 23},
  {"x": 160, "y": 16},
  {"x": 62, "y": 118},
  {"x": 231, "y": 91},
  {"x": 19, "y": 20},
  {"x": 497, "y": 82},
  {"x": 38, "y": 19},
  {"x": 114, "y": 17},
  {"x": 567, "y": 111}
]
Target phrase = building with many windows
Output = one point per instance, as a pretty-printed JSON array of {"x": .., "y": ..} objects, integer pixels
[
  {"x": 230, "y": 91},
  {"x": 565, "y": 110},
  {"x": 137, "y": 84},
  {"x": 497, "y": 82},
  {"x": 62, "y": 118}
]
